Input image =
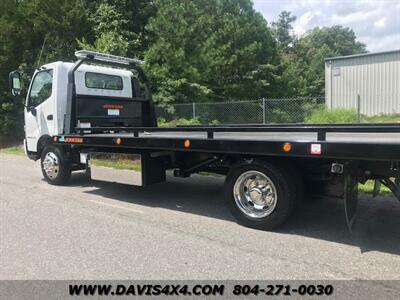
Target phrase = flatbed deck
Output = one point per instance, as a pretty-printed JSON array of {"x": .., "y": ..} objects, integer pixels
[
  {"x": 359, "y": 141},
  {"x": 383, "y": 138}
]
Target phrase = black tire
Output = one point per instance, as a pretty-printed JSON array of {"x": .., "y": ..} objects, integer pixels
[
  {"x": 63, "y": 173},
  {"x": 286, "y": 190}
]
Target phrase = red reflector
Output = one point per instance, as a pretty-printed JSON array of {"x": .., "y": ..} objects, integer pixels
[{"x": 316, "y": 149}]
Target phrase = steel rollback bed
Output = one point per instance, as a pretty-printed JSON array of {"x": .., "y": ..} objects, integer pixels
[{"x": 344, "y": 141}]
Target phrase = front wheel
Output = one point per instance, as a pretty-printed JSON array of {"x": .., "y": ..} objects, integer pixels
[
  {"x": 56, "y": 168},
  {"x": 260, "y": 195}
]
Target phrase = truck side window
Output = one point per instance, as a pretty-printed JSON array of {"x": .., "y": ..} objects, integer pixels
[
  {"x": 103, "y": 81},
  {"x": 42, "y": 87}
]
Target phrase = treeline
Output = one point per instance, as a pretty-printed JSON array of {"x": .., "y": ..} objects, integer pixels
[{"x": 195, "y": 51}]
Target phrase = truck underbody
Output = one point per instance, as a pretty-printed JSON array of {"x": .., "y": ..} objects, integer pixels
[{"x": 329, "y": 159}]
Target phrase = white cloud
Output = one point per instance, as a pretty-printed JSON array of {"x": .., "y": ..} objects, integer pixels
[
  {"x": 380, "y": 23},
  {"x": 306, "y": 21},
  {"x": 375, "y": 22}
]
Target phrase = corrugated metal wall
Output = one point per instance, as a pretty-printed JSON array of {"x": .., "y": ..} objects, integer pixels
[{"x": 375, "y": 77}]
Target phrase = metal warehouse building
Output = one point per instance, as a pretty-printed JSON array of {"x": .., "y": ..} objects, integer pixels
[{"x": 375, "y": 77}]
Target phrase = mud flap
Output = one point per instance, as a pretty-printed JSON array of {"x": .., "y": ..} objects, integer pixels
[{"x": 350, "y": 195}]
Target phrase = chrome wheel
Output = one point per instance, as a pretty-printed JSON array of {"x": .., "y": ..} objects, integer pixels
[
  {"x": 255, "y": 194},
  {"x": 51, "y": 165}
]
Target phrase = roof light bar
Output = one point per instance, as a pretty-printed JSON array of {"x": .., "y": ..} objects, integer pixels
[{"x": 81, "y": 54}]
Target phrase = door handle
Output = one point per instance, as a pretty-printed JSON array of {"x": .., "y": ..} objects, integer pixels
[{"x": 50, "y": 117}]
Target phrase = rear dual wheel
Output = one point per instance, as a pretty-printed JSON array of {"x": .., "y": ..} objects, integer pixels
[{"x": 262, "y": 195}]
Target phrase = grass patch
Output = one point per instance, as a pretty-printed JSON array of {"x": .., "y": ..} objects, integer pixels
[
  {"x": 381, "y": 119},
  {"x": 177, "y": 122},
  {"x": 13, "y": 151},
  {"x": 335, "y": 116},
  {"x": 343, "y": 116},
  {"x": 210, "y": 174},
  {"x": 368, "y": 188},
  {"x": 184, "y": 122}
]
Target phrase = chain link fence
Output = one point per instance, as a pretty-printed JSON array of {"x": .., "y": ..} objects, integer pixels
[{"x": 262, "y": 111}]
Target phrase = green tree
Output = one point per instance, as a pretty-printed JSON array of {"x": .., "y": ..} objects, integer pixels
[
  {"x": 109, "y": 37},
  {"x": 119, "y": 26},
  {"x": 209, "y": 50},
  {"x": 301, "y": 67},
  {"x": 337, "y": 39},
  {"x": 27, "y": 27},
  {"x": 282, "y": 29},
  {"x": 204, "y": 50},
  {"x": 318, "y": 44}
]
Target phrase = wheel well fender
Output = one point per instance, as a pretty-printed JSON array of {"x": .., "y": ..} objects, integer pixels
[{"x": 42, "y": 143}]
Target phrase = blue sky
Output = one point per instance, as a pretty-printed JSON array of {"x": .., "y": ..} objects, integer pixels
[{"x": 375, "y": 22}]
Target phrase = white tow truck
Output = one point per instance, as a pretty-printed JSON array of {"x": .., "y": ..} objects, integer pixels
[{"x": 98, "y": 111}]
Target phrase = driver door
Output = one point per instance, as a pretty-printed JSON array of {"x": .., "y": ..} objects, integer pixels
[{"x": 39, "y": 115}]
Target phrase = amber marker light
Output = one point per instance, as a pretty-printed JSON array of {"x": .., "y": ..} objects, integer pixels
[
  {"x": 118, "y": 141},
  {"x": 287, "y": 147},
  {"x": 186, "y": 144}
]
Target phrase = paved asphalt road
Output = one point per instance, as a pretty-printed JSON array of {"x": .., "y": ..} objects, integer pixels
[{"x": 179, "y": 230}]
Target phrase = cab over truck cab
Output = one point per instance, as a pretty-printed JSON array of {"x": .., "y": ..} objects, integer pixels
[
  {"x": 102, "y": 97},
  {"x": 97, "y": 115}
]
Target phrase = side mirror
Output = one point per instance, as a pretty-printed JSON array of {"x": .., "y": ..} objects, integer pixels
[
  {"x": 15, "y": 83},
  {"x": 32, "y": 110}
]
